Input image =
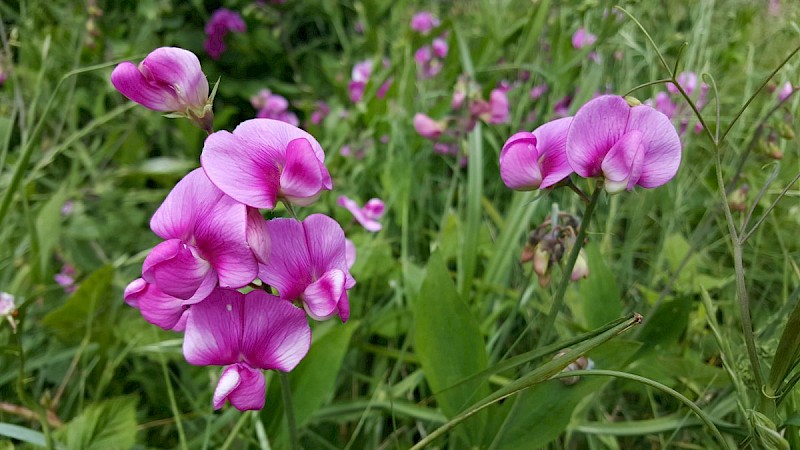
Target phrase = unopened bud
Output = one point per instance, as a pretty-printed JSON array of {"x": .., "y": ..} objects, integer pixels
[
  {"x": 541, "y": 261},
  {"x": 581, "y": 268}
]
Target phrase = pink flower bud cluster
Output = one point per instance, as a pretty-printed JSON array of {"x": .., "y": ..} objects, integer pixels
[
  {"x": 623, "y": 142},
  {"x": 273, "y": 106},
  {"x": 222, "y": 22},
  {"x": 239, "y": 286}
]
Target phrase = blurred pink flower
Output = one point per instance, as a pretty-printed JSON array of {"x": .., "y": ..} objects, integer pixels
[
  {"x": 626, "y": 145},
  {"x": 367, "y": 216},
  {"x": 687, "y": 80},
  {"x": 582, "y": 38},
  {"x": 424, "y": 21},
  {"x": 273, "y": 106},
  {"x": 785, "y": 92},
  {"x": 440, "y": 48},
  {"x": 222, "y": 22},
  {"x": 264, "y": 161},
  {"x": 538, "y": 91},
  {"x": 320, "y": 113},
  {"x": 498, "y": 106},
  {"x": 427, "y": 127}
]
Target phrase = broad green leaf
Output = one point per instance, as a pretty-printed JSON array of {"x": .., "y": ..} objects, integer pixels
[
  {"x": 89, "y": 301},
  {"x": 668, "y": 322},
  {"x": 599, "y": 292},
  {"x": 107, "y": 425},
  {"x": 448, "y": 342},
  {"x": 543, "y": 412}
]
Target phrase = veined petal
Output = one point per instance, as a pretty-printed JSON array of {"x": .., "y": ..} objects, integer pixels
[
  {"x": 662, "y": 156},
  {"x": 156, "y": 307},
  {"x": 214, "y": 330},
  {"x": 258, "y": 235},
  {"x": 179, "y": 69},
  {"x": 275, "y": 135},
  {"x": 228, "y": 381},
  {"x": 321, "y": 298},
  {"x": 178, "y": 270},
  {"x": 242, "y": 170},
  {"x": 596, "y": 127},
  {"x": 288, "y": 267},
  {"x": 301, "y": 178},
  {"x": 350, "y": 253},
  {"x": 131, "y": 83},
  {"x": 222, "y": 237},
  {"x": 551, "y": 141},
  {"x": 188, "y": 201},
  {"x": 275, "y": 333},
  {"x": 326, "y": 245},
  {"x": 250, "y": 393},
  {"x": 622, "y": 166},
  {"x": 519, "y": 162}
]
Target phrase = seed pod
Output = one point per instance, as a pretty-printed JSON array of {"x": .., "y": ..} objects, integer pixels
[{"x": 582, "y": 363}]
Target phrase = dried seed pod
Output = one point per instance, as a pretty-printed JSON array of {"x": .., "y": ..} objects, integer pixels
[{"x": 582, "y": 363}]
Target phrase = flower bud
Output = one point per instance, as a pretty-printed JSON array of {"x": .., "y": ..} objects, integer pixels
[
  {"x": 786, "y": 131},
  {"x": 581, "y": 268},
  {"x": 541, "y": 260}
]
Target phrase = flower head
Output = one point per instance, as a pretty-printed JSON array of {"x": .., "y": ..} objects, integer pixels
[
  {"x": 205, "y": 234},
  {"x": 626, "y": 145},
  {"x": 265, "y": 160},
  {"x": 309, "y": 262},
  {"x": 536, "y": 160},
  {"x": 169, "y": 79},
  {"x": 245, "y": 333},
  {"x": 367, "y": 216}
]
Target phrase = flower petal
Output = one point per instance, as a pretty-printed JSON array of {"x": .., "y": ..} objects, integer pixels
[
  {"x": 519, "y": 162},
  {"x": 188, "y": 201},
  {"x": 228, "y": 381},
  {"x": 156, "y": 307},
  {"x": 622, "y": 166},
  {"x": 321, "y": 298},
  {"x": 250, "y": 393},
  {"x": 275, "y": 333},
  {"x": 662, "y": 156},
  {"x": 374, "y": 208},
  {"x": 258, "y": 235},
  {"x": 131, "y": 83},
  {"x": 214, "y": 329},
  {"x": 179, "y": 70},
  {"x": 359, "y": 214},
  {"x": 326, "y": 245},
  {"x": 301, "y": 178},
  {"x": 596, "y": 127},
  {"x": 551, "y": 141},
  {"x": 288, "y": 268},
  {"x": 178, "y": 270}
]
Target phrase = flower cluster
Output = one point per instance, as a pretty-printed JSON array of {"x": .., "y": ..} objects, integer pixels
[
  {"x": 547, "y": 245},
  {"x": 273, "y": 106},
  {"x": 228, "y": 278},
  {"x": 625, "y": 143},
  {"x": 222, "y": 22}
]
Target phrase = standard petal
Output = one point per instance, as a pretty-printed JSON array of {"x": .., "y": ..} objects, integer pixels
[
  {"x": 551, "y": 141},
  {"x": 519, "y": 162},
  {"x": 131, "y": 83},
  {"x": 301, "y": 178},
  {"x": 177, "y": 269},
  {"x": 179, "y": 69},
  {"x": 276, "y": 334},
  {"x": 662, "y": 156},
  {"x": 251, "y": 391},
  {"x": 188, "y": 201},
  {"x": 326, "y": 243},
  {"x": 275, "y": 135},
  {"x": 596, "y": 127},
  {"x": 321, "y": 298},
  {"x": 622, "y": 166},
  {"x": 242, "y": 170},
  {"x": 214, "y": 329},
  {"x": 228, "y": 381},
  {"x": 222, "y": 238},
  {"x": 288, "y": 266}
]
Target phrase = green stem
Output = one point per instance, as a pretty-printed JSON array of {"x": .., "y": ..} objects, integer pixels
[
  {"x": 172, "y": 403},
  {"x": 558, "y": 300},
  {"x": 288, "y": 408}
]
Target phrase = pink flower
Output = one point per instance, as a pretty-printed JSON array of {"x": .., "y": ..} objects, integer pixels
[
  {"x": 158, "y": 308},
  {"x": 785, "y": 92},
  {"x": 384, "y": 88},
  {"x": 264, "y": 161},
  {"x": 427, "y": 127},
  {"x": 582, "y": 38},
  {"x": 308, "y": 262},
  {"x": 538, "y": 90},
  {"x": 65, "y": 278},
  {"x": 423, "y": 22},
  {"x": 498, "y": 106},
  {"x": 536, "y": 160},
  {"x": 205, "y": 242},
  {"x": 169, "y": 79},
  {"x": 459, "y": 94},
  {"x": 440, "y": 48},
  {"x": 8, "y": 310},
  {"x": 665, "y": 105},
  {"x": 245, "y": 333},
  {"x": 359, "y": 78},
  {"x": 273, "y": 106},
  {"x": 222, "y": 22},
  {"x": 687, "y": 80},
  {"x": 423, "y": 54},
  {"x": 367, "y": 216},
  {"x": 626, "y": 145},
  {"x": 561, "y": 108},
  {"x": 320, "y": 113}
]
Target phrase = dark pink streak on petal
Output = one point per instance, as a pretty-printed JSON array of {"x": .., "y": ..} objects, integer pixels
[
  {"x": 275, "y": 334},
  {"x": 596, "y": 127}
]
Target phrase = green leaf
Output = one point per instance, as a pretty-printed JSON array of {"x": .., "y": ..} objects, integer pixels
[
  {"x": 90, "y": 300},
  {"x": 448, "y": 342},
  {"x": 110, "y": 424},
  {"x": 22, "y": 434},
  {"x": 668, "y": 322},
  {"x": 599, "y": 292},
  {"x": 786, "y": 356}
]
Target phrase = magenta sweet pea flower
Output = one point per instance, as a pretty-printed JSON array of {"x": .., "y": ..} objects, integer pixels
[
  {"x": 169, "y": 79},
  {"x": 536, "y": 160},
  {"x": 626, "y": 145},
  {"x": 222, "y": 22},
  {"x": 424, "y": 21},
  {"x": 309, "y": 262},
  {"x": 687, "y": 80},
  {"x": 245, "y": 333},
  {"x": 582, "y": 38},
  {"x": 205, "y": 234},
  {"x": 264, "y": 161},
  {"x": 273, "y": 106},
  {"x": 440, "y": 48},
  {"x": 367, "y": 216},
  {"x": 158, "y": 308},
  {"x": 427, "y": 127}
]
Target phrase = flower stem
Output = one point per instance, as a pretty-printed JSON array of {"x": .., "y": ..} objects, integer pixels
[
  {"x": 288, "y": 408},
  {"x": 558, "y": 300}
]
